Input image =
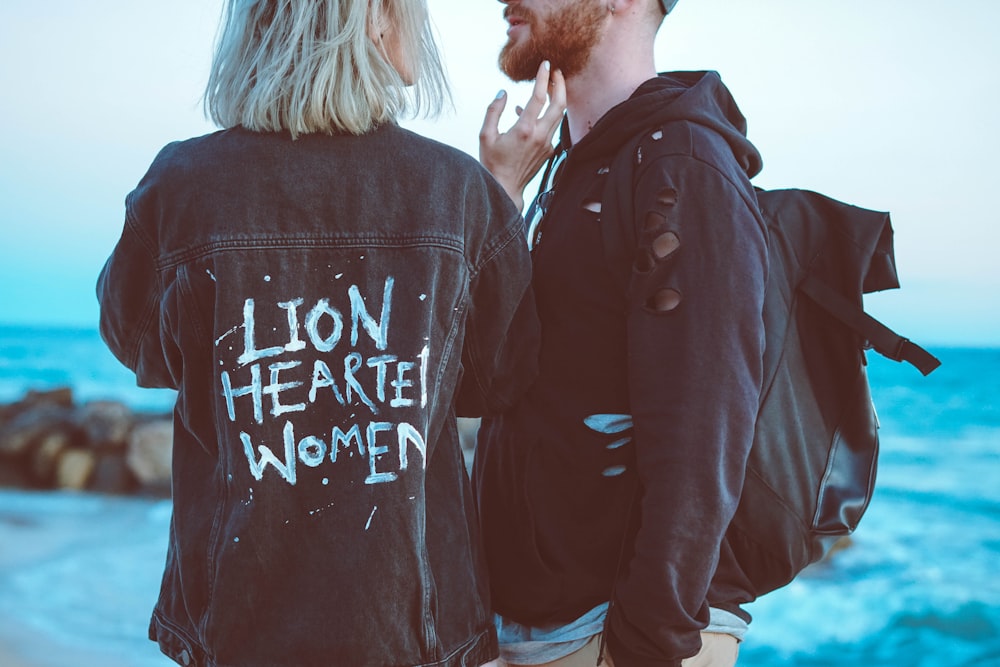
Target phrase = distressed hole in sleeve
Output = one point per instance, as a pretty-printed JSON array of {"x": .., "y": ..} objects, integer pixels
[
  {"x": 592, "y": 206},
  {"x": 664, "y": 300},
  {"x": 665, "y": 244},
  {"x": 667, "y": 196},
  {"x": 653, "y": 221},
  {"x": 644, "y": 261}
]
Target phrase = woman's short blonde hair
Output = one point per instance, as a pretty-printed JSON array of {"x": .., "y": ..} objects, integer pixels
[{"x": 311, "y": 66}]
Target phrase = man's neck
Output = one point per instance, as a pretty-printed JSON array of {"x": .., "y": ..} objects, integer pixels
[{"x": 617, "y": 66}]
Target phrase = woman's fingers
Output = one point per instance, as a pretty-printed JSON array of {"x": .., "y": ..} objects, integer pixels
[
  {"x": 557, "y": 102},
  {"x": 491, "y": 123},
  {"x": 539, "y": 93}
]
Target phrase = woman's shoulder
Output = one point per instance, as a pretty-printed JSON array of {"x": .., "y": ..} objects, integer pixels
[{"x": 431, "y": 152}]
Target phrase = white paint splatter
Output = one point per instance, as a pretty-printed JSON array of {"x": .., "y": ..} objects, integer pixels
[
  {"x": 326, "y": 481},
  {"x": 219, "y": 339},
  {"x": 319, "y": 509},
  {"x": 267, "y": 279},
  {"x": 211, "y": 275},
  {"x": 368, "y": 525},
  {"x": 423, "y": 297},
  {"x": 338, "y": 276},
  {"x": 236, "y": 539}
]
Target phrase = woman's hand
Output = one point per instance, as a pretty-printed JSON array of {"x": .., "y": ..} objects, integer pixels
[{"x": 515, "y": 156}]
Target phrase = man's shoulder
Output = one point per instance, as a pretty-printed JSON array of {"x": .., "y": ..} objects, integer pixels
[
  {"x": 680, "y": 139},
  {"x": 686, "y": 151}
]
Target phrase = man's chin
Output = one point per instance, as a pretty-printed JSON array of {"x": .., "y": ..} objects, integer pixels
[{"x": 518, "y": 66}]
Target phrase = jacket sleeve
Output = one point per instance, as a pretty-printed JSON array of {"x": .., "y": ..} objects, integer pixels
[
  {"x": 500, "y": 354},
  {"x": 695, "y": 344},
  {"x": 128, "y": 291}
]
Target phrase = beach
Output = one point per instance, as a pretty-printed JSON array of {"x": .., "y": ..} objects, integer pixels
[{"x": 78, "y": 578}]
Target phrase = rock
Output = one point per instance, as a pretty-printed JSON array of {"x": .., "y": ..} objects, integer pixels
[
  {"x": 842, "y": 543},
  {"x": 60, "y": 397},
  {"x": 111, "y": 474},
  {"x": 148, "y": 453},
  {"x": 45, "y": 454},
  {"x": 20, "y": 434},
  {"x": 74, "y": 468},
  {"x": 12, "y": 474},
  {"x": 106, "y": 424},
  {"x": 102, "y": 446}
]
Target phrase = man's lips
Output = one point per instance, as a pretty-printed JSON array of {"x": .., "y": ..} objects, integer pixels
[{"x": 514, "y": 20}]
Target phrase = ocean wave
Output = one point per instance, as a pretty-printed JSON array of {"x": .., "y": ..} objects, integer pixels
[{"x": 966, "y": 635}]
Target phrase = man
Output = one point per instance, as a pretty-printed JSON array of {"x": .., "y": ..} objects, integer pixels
[{"x": 605, "y": 494}]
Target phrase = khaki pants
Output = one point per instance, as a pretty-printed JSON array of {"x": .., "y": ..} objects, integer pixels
[{"x": 717, "y": 650}]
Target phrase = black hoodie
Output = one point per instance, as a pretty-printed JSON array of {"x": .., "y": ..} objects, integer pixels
[{"x": 617, "y": 475}]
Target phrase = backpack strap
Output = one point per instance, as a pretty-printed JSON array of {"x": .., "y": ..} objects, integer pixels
[{"x": 884, "y": 340}]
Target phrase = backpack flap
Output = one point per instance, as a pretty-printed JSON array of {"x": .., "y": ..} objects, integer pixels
[{"x": 881, "y": 273}]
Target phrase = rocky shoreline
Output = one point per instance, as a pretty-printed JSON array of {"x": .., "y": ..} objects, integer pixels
[{"x": 49, "y": 441}]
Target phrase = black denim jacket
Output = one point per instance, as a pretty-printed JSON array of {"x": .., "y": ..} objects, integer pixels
[{"x": 315, "y": 302}]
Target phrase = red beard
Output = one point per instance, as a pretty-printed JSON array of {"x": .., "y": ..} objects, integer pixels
[{"x": 565, "y": 38}]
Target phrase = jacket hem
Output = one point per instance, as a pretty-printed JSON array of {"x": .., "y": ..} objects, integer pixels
[{"x": 176, "y": 645}]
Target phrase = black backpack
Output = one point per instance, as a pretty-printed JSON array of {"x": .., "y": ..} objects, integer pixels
[
  {"x": 811, "y": 471},
  {"x": 812, "y": 465}
]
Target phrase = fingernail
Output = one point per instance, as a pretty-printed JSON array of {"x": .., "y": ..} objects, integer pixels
[
  {"x": 500, "y": 94},
  {"x": 546, "y": 65}
]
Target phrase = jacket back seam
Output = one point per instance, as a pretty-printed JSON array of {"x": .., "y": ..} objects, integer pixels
[{"x": 310, "y": 243}]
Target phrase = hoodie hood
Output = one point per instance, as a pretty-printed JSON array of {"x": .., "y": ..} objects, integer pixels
[{"x": 696, "y": 97}]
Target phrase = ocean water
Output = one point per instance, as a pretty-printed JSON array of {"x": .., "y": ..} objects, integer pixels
[
  {"x": 47, "y": 358},
  {"x": 919, "y": 587}
]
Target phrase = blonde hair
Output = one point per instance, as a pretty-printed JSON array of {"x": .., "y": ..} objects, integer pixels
[{"x": 310, "y": 66}]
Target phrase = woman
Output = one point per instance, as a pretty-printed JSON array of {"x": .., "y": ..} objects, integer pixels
[{"x": 324, "y": 289}]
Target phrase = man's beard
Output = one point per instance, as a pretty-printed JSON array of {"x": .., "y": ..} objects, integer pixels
[{"x": 565, "y": 38}]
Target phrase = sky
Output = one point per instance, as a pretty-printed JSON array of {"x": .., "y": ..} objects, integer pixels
[{"x": 886, "y": 104}]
